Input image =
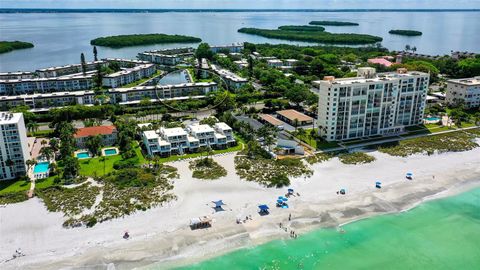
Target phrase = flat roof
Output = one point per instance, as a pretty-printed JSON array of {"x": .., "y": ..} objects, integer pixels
[
  {"x": 467, "y": 81},
  {"x": 173, "y": 131},
  {"x": 293, "y": 114},
  {"x": 197, "y": 128},
  {"x": 270, "y": 119},
  {"x": 381, "y": 77},
  {"x": 223, "y": 126},
  {"x": 150, "y": 134},
  {"x": 9, "y": 118}
]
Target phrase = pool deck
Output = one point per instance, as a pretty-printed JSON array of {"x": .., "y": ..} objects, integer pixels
[{"x": 108, "y": 148}]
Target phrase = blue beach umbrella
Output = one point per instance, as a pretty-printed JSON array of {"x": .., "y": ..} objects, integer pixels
[{"x": 284, "y": 199}]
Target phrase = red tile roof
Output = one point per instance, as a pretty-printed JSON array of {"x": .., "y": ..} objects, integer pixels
[
  {"x": 293, "y": 114},
  {"x": 92, "y": 131}
]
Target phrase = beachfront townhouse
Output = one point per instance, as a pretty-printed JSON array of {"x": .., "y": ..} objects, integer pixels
[
  {"x": 465, "y": 91},
  {"x": 154, "y": 144},
  {"x": 167, "y": 141},
  {"x": 371, "y": 104},
  {"x": 177, "y": 137},
  {"x": 14, "y": 150},
  {"x": 225, "y": 130},
  {"x": 107, "y": 133}
]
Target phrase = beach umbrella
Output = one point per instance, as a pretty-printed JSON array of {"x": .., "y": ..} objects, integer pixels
[
  {"x": 284, "y": 199},
  {"x": 263, "y": 207},
  {"x": 218, "y": 203},
  {"x": 290, "y": 190},
  {"x": 279, "y": 201},
  {"x": 280, "y": 197},
  {"x": 378, "y": 183}
]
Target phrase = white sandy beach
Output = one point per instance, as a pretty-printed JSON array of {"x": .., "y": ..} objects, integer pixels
[{"x": 162, "y": 235}]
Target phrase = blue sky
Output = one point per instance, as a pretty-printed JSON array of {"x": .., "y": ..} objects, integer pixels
[{"x": 241, "y": 4}]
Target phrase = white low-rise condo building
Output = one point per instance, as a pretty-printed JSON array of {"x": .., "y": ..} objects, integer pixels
[
  {"x": 16, "y": 75},
  {"x": 167, "y": 141},
  {"x": 231, "y": 79},
  {"x": 13, "y": 146},
  {"x": 371, "y": 104},
  {"x": 167, "y": 57},
  {"x": 123, "y": 96},
  {"x": 128, "y": 75},
  {"x": 231, "y": 48},
  {"x": 53, "y": 72},
  {"x": 464, "y": 91}
]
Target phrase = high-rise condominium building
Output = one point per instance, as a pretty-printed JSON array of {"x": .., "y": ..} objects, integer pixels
[
  {"x": 13, "y": 145},
  {"x": 466, "y": 91},
  {"x": 371, "y": 104}
]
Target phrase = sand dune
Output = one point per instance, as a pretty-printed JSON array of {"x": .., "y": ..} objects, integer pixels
[{"x": 162, "y": 236}]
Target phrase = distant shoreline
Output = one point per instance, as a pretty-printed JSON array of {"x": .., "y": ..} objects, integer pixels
[{"x": 57, "y": 10}]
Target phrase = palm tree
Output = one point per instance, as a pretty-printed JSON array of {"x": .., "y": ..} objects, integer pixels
[
  {"x": 295, "y": 123},
  {"x": 46, "y": 152},
  {"x": 407, "y": 47},
  {"x": 95, "y": 53},
  {"x": 414, "y": 49},
  {"x": 30, "y": 163},
  {"x": 43, "y": 142},
  {"x": 32, "y": 126},
  {"x": 313, "y": 134},
  {"x": 83, "y": 63}
]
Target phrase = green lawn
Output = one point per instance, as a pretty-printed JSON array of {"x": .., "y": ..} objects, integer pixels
[
  {"x": 13, "y": 186},
  {"x": 44, "y": 183},
  {"x": 41, "y": 133},
  {"x": 317, "y": 144}
]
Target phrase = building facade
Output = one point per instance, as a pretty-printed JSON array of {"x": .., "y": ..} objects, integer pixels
[
  {"x": 13, "y": 146},
  {"x": 123, "y": 96},
  {"x": 107, "y": 133},
  {"x": 167, "y": 141},
  {"x": 371, "y": 104},
  {"x": 128, "y": 75},
  {"x": 466, "y": 91}
]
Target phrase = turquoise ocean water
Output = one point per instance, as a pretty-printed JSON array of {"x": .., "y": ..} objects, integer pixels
[{"x": 441, "y": 234}]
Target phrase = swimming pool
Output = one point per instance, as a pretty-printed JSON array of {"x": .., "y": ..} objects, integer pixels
[
  {"x": 432, "y": 119},
  {"x": 110, "y": 152},
  {"x": 41, "y": 167},
  {"x": 82, "y": 155}
]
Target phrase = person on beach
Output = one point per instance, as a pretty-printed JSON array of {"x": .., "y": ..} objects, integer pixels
[
  {"x": 289, "y": 217},
  {"x": 280, "y": 225}
]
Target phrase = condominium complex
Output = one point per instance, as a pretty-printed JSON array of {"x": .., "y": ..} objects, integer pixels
[
  {"x": 466, "y": 91},
  {"x": 124, "y": 96},
  {"x": 53, "y": 72},
  {"x": 13, "y": 146},
  {"x": 231, "y": 79},
  {"x": 167, "y": 141},
  {"x": 167, "y": 57},
  {"x": 71, "y": 78},
  {"x": 231, "y": 48},
  {"x": 128, "y": 75},
  {"x": 371, "y": 104}
]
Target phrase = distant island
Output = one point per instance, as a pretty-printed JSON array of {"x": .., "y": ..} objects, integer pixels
[
  {"x": 8, "y": 46},
  {"x": 300, "y": 34},
  {"x": 405, "y": 32},
  {"x": 302, "y": 28},
  {"x": 333, "y": 23},
  {"x": 141, "y": 39}
]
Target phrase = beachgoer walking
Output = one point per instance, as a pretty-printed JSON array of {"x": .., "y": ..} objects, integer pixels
[{"x": 289, "y": 217}]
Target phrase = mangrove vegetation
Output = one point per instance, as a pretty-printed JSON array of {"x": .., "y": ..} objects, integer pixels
[
  {"x": 142, "y": 39},
  {"x": 8, "y": 46},
  {"x": 405, "y": 32},
  {"x": 312, "y": 36},
  {"x": 333, "y": 23}
]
